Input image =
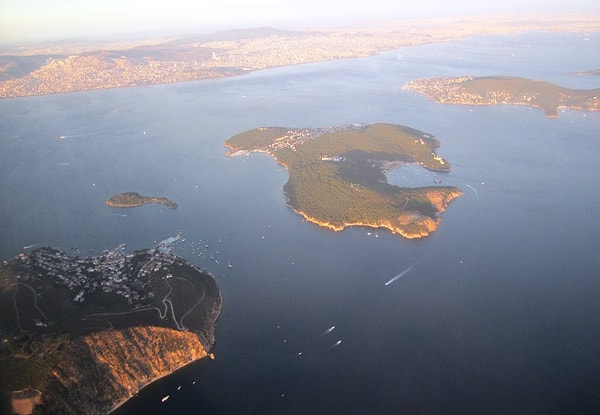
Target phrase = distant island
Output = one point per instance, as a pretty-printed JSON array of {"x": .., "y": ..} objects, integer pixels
[
  {"x": 133, "y": 199},
  {"x": 490, "y": 90},
  {"x": 337, "y": 174},
  {"x": 84, "y": 334},
  {"x": 59, "y": 67},
  {"x": 593, "y": 72}
]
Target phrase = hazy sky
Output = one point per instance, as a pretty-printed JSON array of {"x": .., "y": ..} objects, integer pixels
[{"x": 26, "y": 20}]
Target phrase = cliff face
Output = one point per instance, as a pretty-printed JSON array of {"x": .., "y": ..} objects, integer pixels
[
  {"x": 161, "y": 311},
  {"x": 440, "y": 199},
  {"x": 100, "y": 371}
]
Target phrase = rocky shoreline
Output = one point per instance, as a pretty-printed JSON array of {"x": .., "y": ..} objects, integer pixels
[
  {"x": 426, "y": 225},
  {"x": 338, "y": 174},
  {"x": 99, "y": 329}
]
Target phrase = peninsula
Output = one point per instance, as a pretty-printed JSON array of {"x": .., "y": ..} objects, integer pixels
[
  {"x": 490, "y": 90},
  {"x": 84, "y": 334},
  {"x": 133, "y": 199},
  {"x": 337, "y": 174}
]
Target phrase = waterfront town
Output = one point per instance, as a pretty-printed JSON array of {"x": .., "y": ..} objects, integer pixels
[
  {"x": 293, "y": 138},
  {"x": 76, "y": 67},
  {"x": 493, "y": 90},
  {"x": 453, "y": 90},
  {"x": 114, "y": 271}
]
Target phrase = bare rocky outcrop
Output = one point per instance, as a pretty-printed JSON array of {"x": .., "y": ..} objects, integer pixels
[{"x": 100, "y": 371}]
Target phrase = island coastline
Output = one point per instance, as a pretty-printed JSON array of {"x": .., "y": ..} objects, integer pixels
[
  {"x": 506, "y": 90},
  {"x": 337, "y": 175},
  {"x": 134, "y": 199}
]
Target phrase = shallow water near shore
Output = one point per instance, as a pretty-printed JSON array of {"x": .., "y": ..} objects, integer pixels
[{"x": 499, "y": 313}]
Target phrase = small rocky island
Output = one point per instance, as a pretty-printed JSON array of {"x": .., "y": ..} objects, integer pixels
[
  {"x": 84, "y": 334},
  {"x": 133, "y": 199},
  {"x": 490, "y": 90},
  {"x": 337, "y": 174},
  {"x": 593, "y": 72}
]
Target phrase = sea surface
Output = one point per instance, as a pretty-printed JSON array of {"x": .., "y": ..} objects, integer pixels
[{"x": 500, "y": 312}]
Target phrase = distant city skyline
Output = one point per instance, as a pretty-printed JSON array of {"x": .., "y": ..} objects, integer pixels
[{"x": 40, "y": 20}]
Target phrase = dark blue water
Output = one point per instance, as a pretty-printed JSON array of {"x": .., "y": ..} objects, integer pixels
[{"x": 500, "y": 313}]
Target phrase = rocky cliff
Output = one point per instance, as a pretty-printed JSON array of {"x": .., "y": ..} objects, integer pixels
[
  {"x": 100, "y": 371},
  {"x": 87, "y": 333}
]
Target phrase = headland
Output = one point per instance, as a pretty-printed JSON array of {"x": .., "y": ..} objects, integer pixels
[
  {"x": 494, "y": 90},
  {"x": 337, "y": 175},
  {"x": 133, "y": 199},
  {"x": 84, "y": 334}
]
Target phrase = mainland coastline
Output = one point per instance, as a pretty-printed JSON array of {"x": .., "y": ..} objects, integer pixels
[{"x": 68, "y": 67}]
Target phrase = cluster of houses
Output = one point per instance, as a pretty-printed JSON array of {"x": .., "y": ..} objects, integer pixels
[
  {"x": 292, "y": 139},
  {"x": 112, "y": 272},
  {"x": 296, "y": 137},
  {"x": 438, "y": 158},
  {"x": 327, "y": 157}
]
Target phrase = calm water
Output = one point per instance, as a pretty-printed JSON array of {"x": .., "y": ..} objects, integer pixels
[{"x": 500, "y": 313}]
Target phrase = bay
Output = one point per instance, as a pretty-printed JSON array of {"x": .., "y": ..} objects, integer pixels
[{"x": 499, "y": 313}]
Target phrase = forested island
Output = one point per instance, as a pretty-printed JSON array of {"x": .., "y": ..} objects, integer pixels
[
  {"x": 490, "y": 90},
  {"x": 133, "y": 199},
  {"x": 84, "y": 334},
  {"x": 337, "y": 174}
]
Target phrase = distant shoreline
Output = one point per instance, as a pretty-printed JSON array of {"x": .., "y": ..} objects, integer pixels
[
  {"x": 497, "y": 90},
  {"x": 67, "y": 68}
]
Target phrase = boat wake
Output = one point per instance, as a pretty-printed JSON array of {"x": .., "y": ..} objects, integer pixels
[{"x": 402, "y": 274}]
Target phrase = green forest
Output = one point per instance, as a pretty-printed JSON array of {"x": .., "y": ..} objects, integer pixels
[{"x": 337, "y": 178}]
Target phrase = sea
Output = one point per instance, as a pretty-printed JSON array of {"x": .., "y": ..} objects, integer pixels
[{"x": 498, "y": 311}]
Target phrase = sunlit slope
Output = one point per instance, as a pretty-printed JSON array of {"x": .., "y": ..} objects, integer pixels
[
  {"x": 337, "y": 175},
  {"x": 492, "y": 90},
  {"x": 87, "y": 333}
]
